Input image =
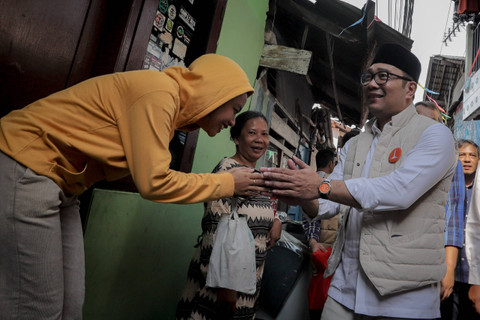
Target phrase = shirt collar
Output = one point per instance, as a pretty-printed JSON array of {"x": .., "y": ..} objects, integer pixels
[
  {"x": 397, "y": 121},
  {"x": 376, "y": 130}
]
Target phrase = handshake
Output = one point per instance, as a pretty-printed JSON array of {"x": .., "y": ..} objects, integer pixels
[{"x": 290, "y": 185}]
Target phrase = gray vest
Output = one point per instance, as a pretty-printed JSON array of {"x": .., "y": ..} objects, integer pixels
[{"x": 403, "y": 249}]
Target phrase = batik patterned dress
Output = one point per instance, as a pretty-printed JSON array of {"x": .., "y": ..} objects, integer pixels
[{"x": 198, "y": 301}]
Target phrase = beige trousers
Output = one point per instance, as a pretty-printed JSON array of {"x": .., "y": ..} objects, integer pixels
[{"x": 42, "y": 268}]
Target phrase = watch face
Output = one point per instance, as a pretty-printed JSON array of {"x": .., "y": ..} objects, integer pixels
[{"x": 324, "y": 188}]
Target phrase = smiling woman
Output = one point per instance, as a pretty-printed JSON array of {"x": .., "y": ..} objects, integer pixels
[{"x": 250, "y": 135}]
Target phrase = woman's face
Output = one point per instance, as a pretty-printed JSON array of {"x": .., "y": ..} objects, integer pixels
[
  {"x": 253, "y": 140},
  {"x": 222, "y": 117}
]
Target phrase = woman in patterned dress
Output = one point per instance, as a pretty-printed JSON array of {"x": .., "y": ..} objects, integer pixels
[{"x": 250, "y": 135}]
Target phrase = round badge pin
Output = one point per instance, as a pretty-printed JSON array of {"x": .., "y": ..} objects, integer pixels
[{"x": 395, "y": 155}]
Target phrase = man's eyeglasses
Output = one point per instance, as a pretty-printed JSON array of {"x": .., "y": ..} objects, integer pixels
[{"x": 381, "y": 77}]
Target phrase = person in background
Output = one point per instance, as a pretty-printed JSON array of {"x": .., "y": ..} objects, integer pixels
[
  {"x": 389, "y": 188},
  {"x": 472, "y": 244},
  {"x": 106, "y": 127},
  {"x": 429, "y": 110},
  {"x": 325, "y": 161},
  {"x": 347, "y": 136},
  {"x": 454, "y": 286},
  {"x": 320, "y": 235},
  {"x": 460, "y": 306},
  {"x": 251, "y": 138}
]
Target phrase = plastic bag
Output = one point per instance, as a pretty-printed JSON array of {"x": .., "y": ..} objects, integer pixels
[
  {"x": 318, "y": 289},
  {"x": 290, "y": 242},
  {"x": 232, "y": 263}
]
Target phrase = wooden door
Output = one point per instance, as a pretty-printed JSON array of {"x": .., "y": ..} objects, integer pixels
[
  {"x": 39, "y": 43},
  {"x": 49, "y": 45}
]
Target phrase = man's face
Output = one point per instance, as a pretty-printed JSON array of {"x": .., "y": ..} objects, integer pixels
[
  {"x": 389, "y": 99},
  {"x": 468, "y": 156}
]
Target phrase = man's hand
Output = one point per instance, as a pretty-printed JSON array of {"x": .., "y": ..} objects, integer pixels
[
  {"x": 447, "y": 285},
  {"x": 474, "y": 295},
  {"x": 451, "y": 255},
  {"x": 247, "y": 182},
  {"x": 226, "y": 302},
  {"x": 274, "y": 233},
  {"x": 294, "y": 186},
  {"x": 315, "y": 246},
  {"x": 291, "y": 185}
]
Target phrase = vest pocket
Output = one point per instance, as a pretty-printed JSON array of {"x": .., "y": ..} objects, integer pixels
[{"x": 398, "y": 238}]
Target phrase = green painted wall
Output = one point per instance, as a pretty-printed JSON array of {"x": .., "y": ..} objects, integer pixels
[
  {"x": 241, "y": 39},
  {"x": 137, "y": 251}
]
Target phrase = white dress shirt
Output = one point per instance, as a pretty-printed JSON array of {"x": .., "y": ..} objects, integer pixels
[
  {"x": 472, "y": 234},
  {"x": 421, "y": 169}
]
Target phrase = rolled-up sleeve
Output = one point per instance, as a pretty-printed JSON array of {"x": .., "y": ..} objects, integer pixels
[
  {"x": 454, "y": 210},
  {"x": 427, "y": 163}
]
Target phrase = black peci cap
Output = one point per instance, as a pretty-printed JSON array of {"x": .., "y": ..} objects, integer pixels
[{"x": 398, "y": 56}]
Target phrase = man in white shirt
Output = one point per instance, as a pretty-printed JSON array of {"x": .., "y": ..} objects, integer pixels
[
  {"x": 389, "y": 189},
  {"x": 472, "y": 245}
]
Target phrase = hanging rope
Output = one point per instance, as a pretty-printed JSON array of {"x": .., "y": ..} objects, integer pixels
[
  {"x": 356, "y": 22},
  {"x": 427, "y": 90}
]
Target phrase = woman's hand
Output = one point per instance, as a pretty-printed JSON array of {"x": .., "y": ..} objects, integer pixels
[
  {"x": 274, "y": 233},
  {"x": 226, "y": 302},
  {"x": 247, "y": 182}
]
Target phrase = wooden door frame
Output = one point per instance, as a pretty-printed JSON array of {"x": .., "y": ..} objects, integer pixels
[{"x": 136, "y": 54}]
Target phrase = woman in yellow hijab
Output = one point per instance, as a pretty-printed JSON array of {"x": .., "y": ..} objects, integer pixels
[{"x": 103, "y": 128}]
